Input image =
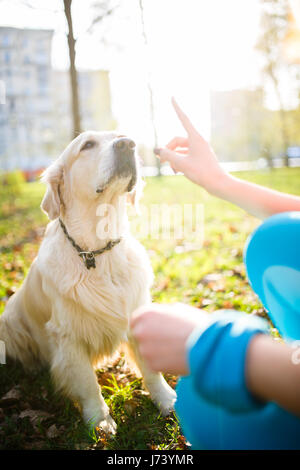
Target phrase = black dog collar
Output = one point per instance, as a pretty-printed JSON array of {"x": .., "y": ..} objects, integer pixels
[{"x": 88, "y": 257}]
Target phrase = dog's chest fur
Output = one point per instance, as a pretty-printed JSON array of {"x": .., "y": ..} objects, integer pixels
[{"x": 98, "y": 302}]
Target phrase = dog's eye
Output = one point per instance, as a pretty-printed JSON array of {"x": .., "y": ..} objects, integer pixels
[{"x": 88, "y": 145}]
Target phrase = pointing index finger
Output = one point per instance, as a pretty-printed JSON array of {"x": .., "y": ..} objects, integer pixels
[{"x": 183, "y": 118}]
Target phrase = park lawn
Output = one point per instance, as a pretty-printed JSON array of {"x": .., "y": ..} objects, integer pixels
[{"x": 204, "y": 269}]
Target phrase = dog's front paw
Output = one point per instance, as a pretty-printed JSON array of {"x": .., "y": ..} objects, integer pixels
[
  {"x": 99, "y": 419},
  {"x": 165, "y": 400},
  {"x": 108, "y": 425}
]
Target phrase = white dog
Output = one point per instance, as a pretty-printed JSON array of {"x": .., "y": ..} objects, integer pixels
[{"x": 74, "y": 306}]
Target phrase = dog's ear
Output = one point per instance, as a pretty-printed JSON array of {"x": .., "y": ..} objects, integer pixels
[{"x": 53, "y": 177}]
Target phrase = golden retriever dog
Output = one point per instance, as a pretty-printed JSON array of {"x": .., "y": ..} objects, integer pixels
[{"x": 90, "y": 274}]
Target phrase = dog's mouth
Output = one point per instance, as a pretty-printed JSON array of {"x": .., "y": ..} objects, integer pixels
[
  {"x": 124, "y": 165},
  {"x": 126, "y": 188}
]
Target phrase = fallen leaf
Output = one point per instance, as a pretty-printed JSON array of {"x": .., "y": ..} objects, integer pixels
[
  {"x": 52, "y": 432},
  {"x": 205, "y": 302},
  {"x": 35, "y": 416},
  {"x": 11, "y": 397},
  {"x": 140, "y": 392},
  {"x": 217, "y": 286},
  {"x": 227, "y": 304},
  {"x": 163, "y": 284},
  {"x": 232, "y": 229},
  {"x": 182, "y": 442},
  {"x": 130, "y": 406},
  {"x": 213, "y": 277}
]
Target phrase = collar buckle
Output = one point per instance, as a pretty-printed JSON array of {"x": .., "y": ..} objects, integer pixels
[{"x": 88, "y": 258}]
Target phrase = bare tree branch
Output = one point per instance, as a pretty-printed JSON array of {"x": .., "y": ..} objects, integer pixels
[
  {"x": 150, "y": 90},
  {"x": 103, "y": 10}
]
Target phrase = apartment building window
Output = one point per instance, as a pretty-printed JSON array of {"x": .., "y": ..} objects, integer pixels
[
  {"x": 41, "y": 54},
  {"x": 42, "y": 76},
  {"x": 12, "y": 104},
  {"x": 5, "y": 40},
  {"x": 7, "y": 57}
]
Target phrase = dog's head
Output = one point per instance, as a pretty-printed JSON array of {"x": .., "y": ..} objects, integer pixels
[{"x": 93, "y": 166}]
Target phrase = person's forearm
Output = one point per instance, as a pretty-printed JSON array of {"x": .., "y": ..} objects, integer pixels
[
  {"x": 271, "y": 374},
  {"x": 257, "y": 200},
  {"x": 193, "y": 156}
]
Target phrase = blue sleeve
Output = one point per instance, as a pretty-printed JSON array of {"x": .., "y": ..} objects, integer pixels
[{"x": 217, "y": 356}]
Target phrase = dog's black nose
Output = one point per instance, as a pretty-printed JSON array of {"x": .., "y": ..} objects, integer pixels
[{"x": 124, "y": 144}]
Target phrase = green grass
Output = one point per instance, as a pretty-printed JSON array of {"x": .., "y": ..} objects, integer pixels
[{"x": 181, "y": 274}]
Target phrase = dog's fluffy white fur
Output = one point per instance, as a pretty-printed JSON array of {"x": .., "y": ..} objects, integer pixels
[{"x": 65, "y": 315}]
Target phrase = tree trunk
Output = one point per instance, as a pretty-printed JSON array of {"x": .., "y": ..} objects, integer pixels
[{"x": 73, "y": 71}]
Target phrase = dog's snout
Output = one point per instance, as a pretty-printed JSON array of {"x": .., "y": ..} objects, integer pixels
[
  {"x": 125, "y": 164},
  {"x": 124, "y": 144}
]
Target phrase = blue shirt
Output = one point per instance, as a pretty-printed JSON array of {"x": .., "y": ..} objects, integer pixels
[{"x": 214, "y": 406}]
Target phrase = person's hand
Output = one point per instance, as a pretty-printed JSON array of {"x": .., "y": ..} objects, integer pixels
[
  {"x": 193, "y": 156},
  {"x": 161, "y": 332}
]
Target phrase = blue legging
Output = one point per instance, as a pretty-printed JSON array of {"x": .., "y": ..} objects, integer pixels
[{"x": 272, "y": 258}]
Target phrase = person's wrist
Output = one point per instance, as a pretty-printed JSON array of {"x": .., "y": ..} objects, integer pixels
[{"x": 219, "y": 185}]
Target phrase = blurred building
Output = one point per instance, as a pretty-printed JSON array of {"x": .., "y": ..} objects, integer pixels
[
  {"x": 26, "y": 117},
  {"x": 35, "y": 119},
  {"x": 236, "y": 124}
]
